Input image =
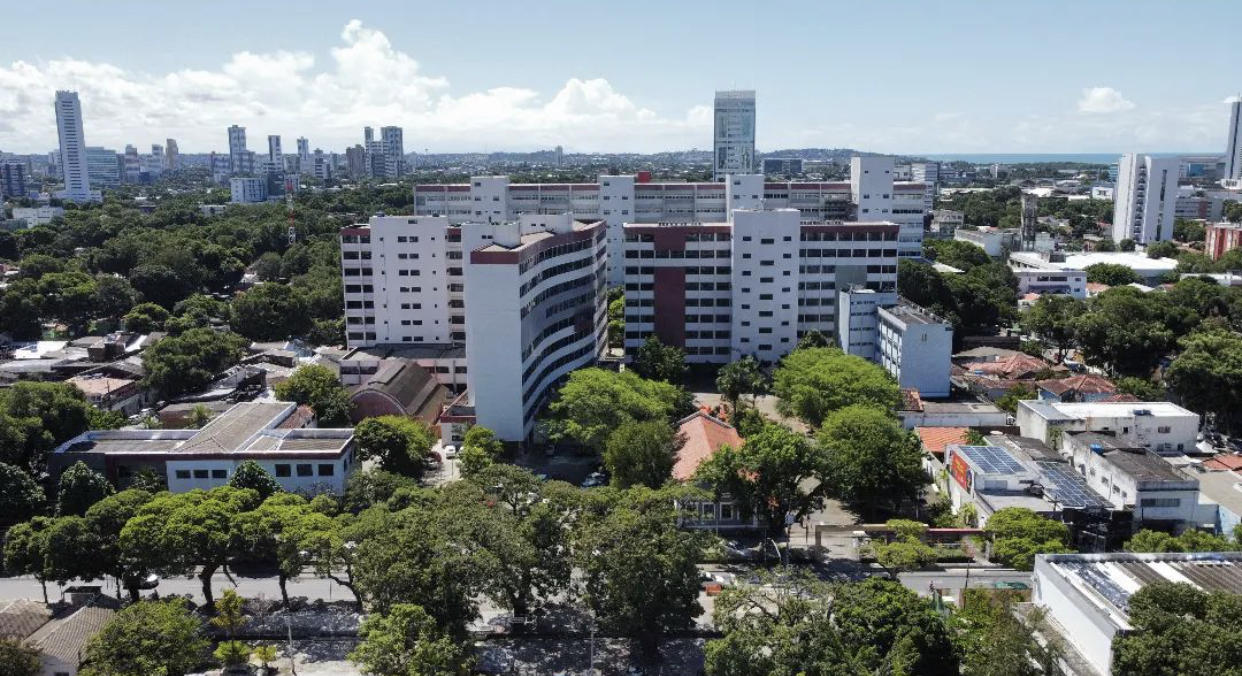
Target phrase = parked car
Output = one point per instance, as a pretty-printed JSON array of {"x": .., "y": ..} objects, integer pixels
[
  {"x": 593, "y": 479},
  {"x": 450, "y": 452}
]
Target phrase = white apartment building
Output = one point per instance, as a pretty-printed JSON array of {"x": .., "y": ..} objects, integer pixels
[
  {"x": 1159, "y": 426},
  {"x": 619, "y": 200},
  {"x": 858, "y": 322},
  {"x": 1145, "y": 199},
  {"x": 750, "y": 286},
  {"x": 733, "y": 133},
  {"x": 1135, "y": 479},
  {"x": 73, "y": 148},
  {"x": 536, "y": 309},
  {"x": 34, "y": 216},
  {"x": 241, "y": 161},
  {"x": 247, "y": 190},
  {"x": 946, "y": 221},
  {"x": 916, "y": 348},
  {"x": 1233, "y": 142},
  {"x": 993, "y": 241}
]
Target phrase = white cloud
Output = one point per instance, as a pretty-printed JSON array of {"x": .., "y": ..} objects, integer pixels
[
  {"x": 1103, "y": 100},
  {"x": 365, "y": 81}
]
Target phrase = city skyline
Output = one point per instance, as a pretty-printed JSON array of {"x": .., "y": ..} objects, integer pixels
[{"x": 1025, "y": 82}]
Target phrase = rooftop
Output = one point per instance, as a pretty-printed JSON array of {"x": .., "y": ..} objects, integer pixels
[
  {"x": 20, "y": 618},
  {"x": 407, "y": 351},
  {"x": 65, "y": 638},
  {"x": 1223, "y": 488},
  {"x": 936, "y": 438},
  {"x": 1086, "y": 383},
  {"x": 1110, "y": 580},
  {"x": 1114, "y": 409},
  {"x": 703, "y": 436}
]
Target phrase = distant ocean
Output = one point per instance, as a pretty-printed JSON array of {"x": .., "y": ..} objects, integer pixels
[{"x": 1031, "y": 158}]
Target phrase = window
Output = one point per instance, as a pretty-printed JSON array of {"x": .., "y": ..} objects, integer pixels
[
  {"x": 200, "y": 474},
  {"x": 306, "y": 470},
  {"x": 219, "y": 474},
  {"x": 182, "y": 474},
  {"x": 1164, "y": 430},
  {"x": 1160, "y": 502},
  {"x": 282, "y": 470},
  {"x": 327, "y": 469}
]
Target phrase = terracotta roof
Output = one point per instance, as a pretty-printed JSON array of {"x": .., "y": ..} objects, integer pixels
[
  {"x": 936, "y": 438},
  {"x": 703, "y": 435},
  {"x": 1224, "y": 462},
  {"x": 1086, "y": 383},
  {"x": 1119, "y": 398},
  {"x": 301, "y": 417},
  {"x": 1096, "y": 287},
  {"x": 910, "y": 400},
  {"x": 65, "y": 638},
  {"x": 1014, "y": 366},
  {"x": 405, "y": 385},
  {"x": 20, "y": 618}
]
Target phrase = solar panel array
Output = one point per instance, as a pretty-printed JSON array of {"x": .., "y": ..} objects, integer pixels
[
  {"x": 1102, "y": 583},
  {"x": 992, "y": 460},
  {"x": 1068, "y": 488}
]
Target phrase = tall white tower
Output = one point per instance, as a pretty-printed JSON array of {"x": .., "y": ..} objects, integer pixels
[
  {"x": 1233, "y": 145},
  {"x": 72, "y": 147},
  {"x": 394, "y": 151},
  {"x": 1145, "y": 198},
  {"x": 275, "y": 158},
  {"x": 734, "y": 133},
  {"x": 304, "y": 161}
]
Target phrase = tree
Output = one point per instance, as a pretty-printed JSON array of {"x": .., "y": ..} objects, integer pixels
[
  {"x": 1019, "y": 392},
  {"x": 1018, "y": 534},
  {"x": 657, "y": 361},
  {"x": 270, "y": 311},
  {"x": 106, "y": 519},
  {"x": 1150, "y": 541},
  {"x": 371, "y": 487},
  {"x": 70, "y": 551},
  {"x": 1124, "y": 330},
  {"x": 776, "y": 474},
  {"x": 1179, "y": 629},
  {"x": 1052, "y": 319},
  {"x": 1141, "y": 388},
  {"x": 1112, "y": 274},
  {"x": 149, "y": 637},
  {"x": 744, "y": 376},
  {"x": 80, "y": 487},
  {"x": 114, "y": 297},
  {"x": 318, "y": 387},
  {"x": 1164, "y": 249},
  {"x": 18, "y": 660},
  {"x": 994, "y": 640},
  {"x": 1125, "y": 245},
  {"x": 869, "y": 458},
  {"x": 958, "y": 254},
  {"x": 616, "y": 318},
  {"x": 188, "y": 362},
  {"x": 805, "y": 626},
  {"x": 639, "y": 573},
  {"x": 1207, "y": 374},
  {"x": 480, "y": 449},
  {"x": 249, "y": 474},
  {"x": 25, "y": 550},
  {"x": 35, "y": 418},
  {"x": 642, "y": 453},
  {"x": 161, "y": 284},
  {"x": 20, "y": 497},
  {"x": 811, "y": 383},
  {"x": 265, "y": 655},
  {"x": 905, "y": 554},
  {"x": 814, "y": 338},
  {"x": 268, "y": 267},
  {"x": 1187, "y": 231},
  {"x": 407, "y": 642},
  {"x": 400, "y": 444},
  {"x": 593, "y": 402}
]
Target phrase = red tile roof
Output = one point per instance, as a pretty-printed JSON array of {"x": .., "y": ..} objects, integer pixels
[
  {"x": 1096, "y": 287},
  {"x": 1117, "y": 398},
  {"x": 1086, "y": 383},
  {"x": 704, "y": 435},
  {"x": 936, "y": 438},
  {"x": 1224, "y": 462},
  {"x": 1016, "y": 366}
]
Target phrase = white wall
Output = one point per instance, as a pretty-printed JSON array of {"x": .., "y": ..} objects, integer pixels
[
  {"x": 1085, "y": 625},
  {"x": 765, "y": 282},
  {"x": 342, "y": 467}
]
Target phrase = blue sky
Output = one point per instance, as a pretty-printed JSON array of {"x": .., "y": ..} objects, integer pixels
[{"x": 901, "y": 77}]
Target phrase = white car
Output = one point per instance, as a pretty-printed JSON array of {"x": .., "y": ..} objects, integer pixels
[{"x": 450, "y": 452}]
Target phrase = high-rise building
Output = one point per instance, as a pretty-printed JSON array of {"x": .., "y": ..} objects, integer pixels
[
  {"x": 72, "y": 147},
  {"x": 172, "y": 157},
  {"x": 239, "y": 158},
  {"x": 132, "y": 164},
  {"x": 153, "y": 164},
  {"x": 275, "y": 158},
  {"x": 321, "y": 165},
  {"x": 103, "y": 165},
  {"x": 394, "y": 151},
  {"x": 304, "y": 156},
  {"x": 1145, "y": 200},
  {"x": 1233, "y": 144},
  {"x": 12, "y": 180},
  {"x": 356, "y": 162},
  {"x": 734, "y": 133}
]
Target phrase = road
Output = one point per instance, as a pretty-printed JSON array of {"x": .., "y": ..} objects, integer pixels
[{"x": 955, "y": 579}]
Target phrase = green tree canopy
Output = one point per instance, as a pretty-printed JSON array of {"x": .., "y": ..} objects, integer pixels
[
  {"x": 270, "y": 311},
  {"x": 480, "y": 449},
  {"x": 1179, "y": 629},
  {"x": 400, "y": 444},
  {"x": 20, "y": 497},
  {"x": 188, "y": 362},
  {"x": 995, "y": 640},
  {"x": 318, "y": 387},
  {"x": 250, "y": 474},
  {"x": 657, "y": 361},
  {"x": 80, "y": 487},
  {"x": 1018, "y": 534},
  {"x": 811, "y": 383},
  {"x": 642, "y": 453},
  {"x": 35, "y": 418},
  {"x": 1052, "y": 319},
  {"x": 741, "y": 377},
  {"x": 869, "y": 459},
  {"x": 593, "y": 402},
  {"x": 1125, "y": 331},
  {"x": 407, "y": 642},
  {"x": 149, "y": 637},
  {"x": 1207, "y": 374},
  {"x": 18, "y": 660},
  {"x": 1112, "y": 274}
]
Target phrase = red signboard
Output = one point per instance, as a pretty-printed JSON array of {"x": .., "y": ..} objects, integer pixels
[{"x": 961, "y": 472}]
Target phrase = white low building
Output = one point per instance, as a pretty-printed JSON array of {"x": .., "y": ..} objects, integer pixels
[
  {"x": 1150, "y": 269},
  {"x": 1087, "y": 596},
  {"x": 1159, "y": 426},
  {"x": 35, "y": 216},
  {"x": 247, "y": 190},
  {"x": 1072, "y": 283},
  {"x": 277, "y": 435},
  {"x": 1135, "y": 479},
  {"x": 916, "y": 348},
  {"x": 993, "y": 241}
]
